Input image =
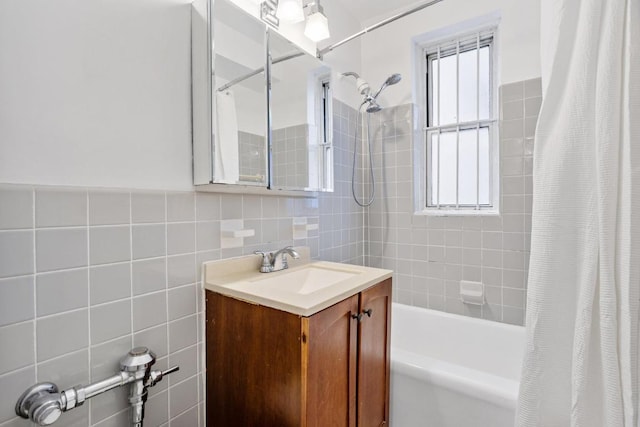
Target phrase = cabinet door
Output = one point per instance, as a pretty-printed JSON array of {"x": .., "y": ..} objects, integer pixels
[
  {"x": 253, "y": 365},
  {"x": 332, "y": 343},
  {"x": 374, "y": 356}
]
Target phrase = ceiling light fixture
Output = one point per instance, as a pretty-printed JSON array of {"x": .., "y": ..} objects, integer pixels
[
  {"x": 268, "y": 10},
  {"x": 290, "y": 11},
  {"x": 317, "y": 27}
]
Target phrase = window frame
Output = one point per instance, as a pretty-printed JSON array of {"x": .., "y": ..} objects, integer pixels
[{"x": 423, "y": 46}]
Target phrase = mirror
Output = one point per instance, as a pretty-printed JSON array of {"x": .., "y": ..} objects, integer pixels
[
  {"x": 243, "y": 134},
  {"x": 300, "y": 103},
  {"x": 239, "y": 94}
]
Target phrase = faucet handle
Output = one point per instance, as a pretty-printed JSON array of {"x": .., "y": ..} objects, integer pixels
[
  {"x": 156, "y": 376},
  {"x": 266, "y": 261}
]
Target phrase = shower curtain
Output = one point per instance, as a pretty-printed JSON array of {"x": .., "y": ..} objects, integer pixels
[{"x": 581, "y": 356}]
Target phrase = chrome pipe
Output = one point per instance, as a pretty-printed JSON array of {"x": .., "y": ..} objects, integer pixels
[
  {"x": 44, "y": 404},
  {"x": 322, "y": 52},
  {"x": 107, "y": 384}
]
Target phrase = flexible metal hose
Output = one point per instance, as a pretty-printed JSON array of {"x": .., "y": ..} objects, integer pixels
[{"x": 372, "y": 192}]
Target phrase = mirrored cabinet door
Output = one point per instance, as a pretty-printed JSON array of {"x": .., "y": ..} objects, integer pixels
[
  {"x": 300, "y": 104},
  {"x": 237, "y": 101},
  {"x": 261, "y": 106}
]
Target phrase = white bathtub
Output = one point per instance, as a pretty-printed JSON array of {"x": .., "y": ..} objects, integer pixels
[{"x": 453, "y": 371}]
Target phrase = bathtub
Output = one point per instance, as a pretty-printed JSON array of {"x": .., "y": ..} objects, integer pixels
[{"x": 453, "y": 371}]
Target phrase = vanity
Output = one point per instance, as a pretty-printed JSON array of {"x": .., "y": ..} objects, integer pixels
[{"x": 305, "y": 346}]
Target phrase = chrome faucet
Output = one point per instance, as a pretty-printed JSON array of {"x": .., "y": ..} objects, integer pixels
[
  {"x": 43, "y": 403},
  {"x": 270, "y": 259}
]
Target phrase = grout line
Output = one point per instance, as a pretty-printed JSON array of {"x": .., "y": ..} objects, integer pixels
[
  {"x": 166, "y": 293},
  {"x": 131, "y": 266},
  {"x": 35, "y": 287},
  {"x": 88, "y": 302}
]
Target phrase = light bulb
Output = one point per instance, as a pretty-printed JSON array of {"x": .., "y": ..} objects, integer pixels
[
  {"x": 317, "y": 27},
  {"x": 290, "y": 11}
]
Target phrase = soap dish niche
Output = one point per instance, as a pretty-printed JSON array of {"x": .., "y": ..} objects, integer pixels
[
  {"x": 301, "y": 228},
  {"x": 233, "y": 233}
]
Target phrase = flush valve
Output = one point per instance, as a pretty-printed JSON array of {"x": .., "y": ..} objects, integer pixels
[{"x": 43, "y": 403}]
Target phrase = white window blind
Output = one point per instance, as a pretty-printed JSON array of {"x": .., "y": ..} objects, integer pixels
[{"x": 459, "y": 124}]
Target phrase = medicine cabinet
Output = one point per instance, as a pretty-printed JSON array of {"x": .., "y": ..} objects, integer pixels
[{"x": 261, "y": 107}]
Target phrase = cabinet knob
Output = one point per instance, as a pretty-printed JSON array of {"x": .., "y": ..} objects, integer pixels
[
  {"x": 368, "y": 312},
  {"x": 357, "y": 316}
]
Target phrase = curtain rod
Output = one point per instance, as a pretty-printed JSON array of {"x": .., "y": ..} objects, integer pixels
[
  {"x": 322, "y": 52},
  {"x": 258, "y": 71}
]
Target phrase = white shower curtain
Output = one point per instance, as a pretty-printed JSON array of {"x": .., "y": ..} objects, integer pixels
[{"x": 581, "y": 359}]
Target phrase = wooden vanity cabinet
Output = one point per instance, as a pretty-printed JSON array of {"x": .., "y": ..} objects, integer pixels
[{"x": 267, "y": 367}]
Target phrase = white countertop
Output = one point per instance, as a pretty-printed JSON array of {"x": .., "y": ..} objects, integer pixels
[{"x": 240, "y": 278}]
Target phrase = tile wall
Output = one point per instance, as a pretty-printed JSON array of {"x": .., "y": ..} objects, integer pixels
[
  {"x": 86, "y": 274},
  {"x": 252, "y": 161},
  {"x": 430, "y": 255},
  {"x": 291, "y": 157}
]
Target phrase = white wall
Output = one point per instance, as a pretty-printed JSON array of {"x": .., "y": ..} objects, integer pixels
[
  {"x": 388, "y": 50},
  {"x": 95, "y": 93}
]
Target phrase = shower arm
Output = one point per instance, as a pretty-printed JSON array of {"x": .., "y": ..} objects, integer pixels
[{"x": 323, "y": 51}]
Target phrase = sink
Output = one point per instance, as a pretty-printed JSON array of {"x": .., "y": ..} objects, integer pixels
[
  {"x": 307, "y": 287},
  {"x": 304, "y": 281}
]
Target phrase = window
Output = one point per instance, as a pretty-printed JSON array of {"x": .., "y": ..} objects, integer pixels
[
  {"x": 460, "y": 142},
  {"x": 326, "y": 131}
]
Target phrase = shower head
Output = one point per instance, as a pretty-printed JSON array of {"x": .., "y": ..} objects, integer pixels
[
  {"x": 391, "y": 80},
  {"x": 373, "y": 106}
]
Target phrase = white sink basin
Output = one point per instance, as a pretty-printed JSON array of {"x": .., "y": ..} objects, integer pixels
[
  {"x": 304, "y": 289},
  {"x": 304, "y": 281}
]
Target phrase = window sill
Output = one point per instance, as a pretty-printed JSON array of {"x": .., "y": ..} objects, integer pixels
[{"x": 458, "y": 212}]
